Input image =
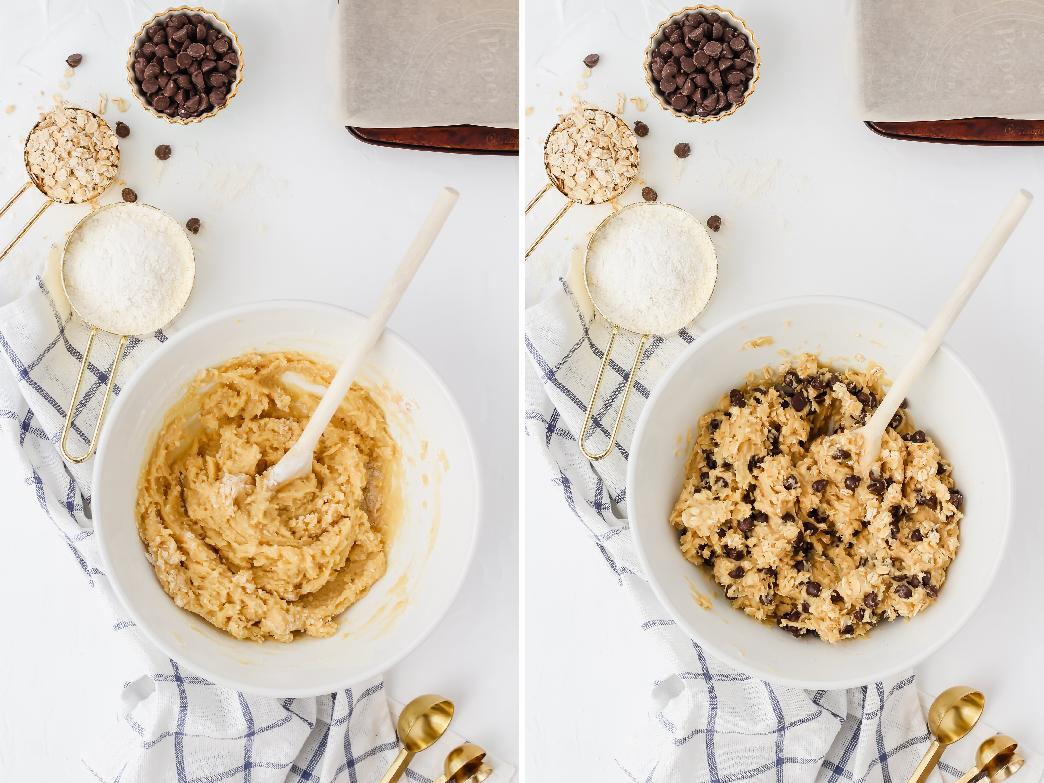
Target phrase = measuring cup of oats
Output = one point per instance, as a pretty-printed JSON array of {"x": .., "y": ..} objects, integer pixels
[
  {"x": 590, "y": 156},
  {"x": 127, "y": 269},
  {"x": 650, "y": 269},
  {"x": 71, "y": 157}
]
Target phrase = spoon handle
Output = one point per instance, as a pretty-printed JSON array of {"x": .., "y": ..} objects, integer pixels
[
  {"x": 933, "y": 337},
  {"x": 975, "y": 773},
  {"x": 928, "y": 762},
  {"x": 398, "y": 767}
]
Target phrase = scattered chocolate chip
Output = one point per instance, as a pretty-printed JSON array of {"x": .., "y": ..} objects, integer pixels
[
  {"x": 852, "y": 482},
  {"x": 842, "y": 454},
  {"x": 641, "y": 129},
  {"x": 835, "y": 598},
  {"x": 737, "y": 399},
  {"x": 163, "y": 151},
  {"x": 682, "y": 150},
  {"x": 649, "y": 194},
  {"x": 122, "y": 130},
  {"x": 819, "y": 485},
  {"x": 877, "y": 486},
  {"x": 957, "y": 499},
  {"x": 918, "y": 437},
  {"x": 871, "y": 600},
  {"x": 714, "y": 223},
  {"x": 129, "y": 195},
  {"x": 193, "y": 225},
  {"x": 74, "y": 60},
  {"x": 929, "y": 501},
  {"x": 590, "y": 61},
  {"x": 813, "y": 588},
  {"x": 737, "y": 572},
  {"x": 904, "y": 591},
  {"x": 916, "y": 535},
  {"x": 790, "y": 482},
  {"x": 799, "y": 401}
]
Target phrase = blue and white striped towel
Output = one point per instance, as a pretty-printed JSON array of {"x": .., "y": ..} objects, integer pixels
[
  {"x": 710, "y": 723},
  {"x": 174, "y": 726}
]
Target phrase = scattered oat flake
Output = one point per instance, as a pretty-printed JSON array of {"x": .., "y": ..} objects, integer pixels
[
  {"x": 103, "y": 102},
  {"x": 121, "y": 103},
  {"x": 621, "y": 103},
  {"x": 759, "y": 342},
  {"x": 529, "y": 111},
  {"x": 9, "y": 108},
  {"x": 581, "y": 85},
  {"x": 69, "y": 72},
  {"x": 587, "y": 73},
  {"x": 639, "y": 103},
  {"x": 64, "y": 85}
]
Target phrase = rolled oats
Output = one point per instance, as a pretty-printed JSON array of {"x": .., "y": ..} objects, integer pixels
[
  {"x": 72, "y": 155},
  {"x": 591, "y": 155}
]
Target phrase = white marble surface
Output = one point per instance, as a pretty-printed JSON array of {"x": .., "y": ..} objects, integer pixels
[
  {"x": 812, "y": 203},
  {"x": 292, "y": 206}
]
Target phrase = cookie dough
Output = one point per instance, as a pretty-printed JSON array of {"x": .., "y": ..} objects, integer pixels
[
  {"x": 256, "y": 562},
  {"x": 773, "y": 507}
]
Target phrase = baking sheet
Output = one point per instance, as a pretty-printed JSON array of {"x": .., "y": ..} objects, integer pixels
[
  {"x": 948, "y": 59},
  {"x": 421, "y": 64}
]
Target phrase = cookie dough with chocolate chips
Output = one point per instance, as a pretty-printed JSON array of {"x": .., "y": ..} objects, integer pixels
[
  {"x": 257, "y": 562},
  {"x": 773, "y": 505}
]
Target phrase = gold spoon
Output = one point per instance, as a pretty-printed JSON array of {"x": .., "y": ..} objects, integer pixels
[
  {"x": 952, "y": 715},
  {"x": 420, "y": 725},
  {"x": 995, "y": 760},
  {"x": 465, "y": 764}
]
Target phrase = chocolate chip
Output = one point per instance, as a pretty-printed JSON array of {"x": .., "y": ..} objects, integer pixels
[
  {"x": 74, "y": 60},
  {"x": 735, "y": 95},
  {"x": 813, "y": 588},
  {"x": 163, "y": 151},
  {"x": 800, "y": 565},
  {"x": 731, "y": 554},
  {"x": 819, "y": 485},
  {"x": 590, "y": 61},
  {"x": 904, "y": 591},
  {"x": 877, "y": 486},
  {"x": 790, "y": 482},
  {"x": 918, "y": 437},
  {"x": 649, "y": 194},
  {"x": 737, "y": 572},
  {"x": 641, "y": 129},
  {"x": 714, "y": 223},
  {"x": 129, "y": 195},
  {"x": 122, "y": 130},
  {"x": 712, "y": 49},
  {"x": 150, "y": 86},
  {"x": 957, "y": 499},
  {"x": 193, "y": 225},
  {"x": 852, "y": 482},
  {"x": 799, "y": 401},
  {"x": 737, "y": 399},
  {"x": 679, "y": 101},
  {"x": 871, "y": 600},
  {"x": 916, "y": 535},
  {"x": 682, "y": 150},
  {"x": 930, "y": 501},
  {"x": 842, "y": 454},
  {"x": 835, "y": 598}
]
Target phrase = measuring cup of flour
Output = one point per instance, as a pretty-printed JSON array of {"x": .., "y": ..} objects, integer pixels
[
  {"x": 127, "y": 269},
  {"x": 650, "y": 269}
]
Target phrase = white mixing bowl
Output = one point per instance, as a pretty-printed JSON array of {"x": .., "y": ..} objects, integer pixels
[
  {"x": 947, "y": 402},
  {"x": 428, "y": 556}
]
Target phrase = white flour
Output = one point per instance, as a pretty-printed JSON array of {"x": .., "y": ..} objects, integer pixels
[
  {"x": 129, "y": 269},
  {"x": 651, "y": 269}
]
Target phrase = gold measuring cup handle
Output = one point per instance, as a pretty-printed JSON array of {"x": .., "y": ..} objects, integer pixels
[
  {"x": 623, "y": 403},
  {"x": 551, "y": 225},
  {"x": 536, "y": 198},
  {"x": 104, "y": 404},
  {"x": 928, "y": 762},
  {"x": 398, "y": 767},
  {"x": 28, "y": 225}
]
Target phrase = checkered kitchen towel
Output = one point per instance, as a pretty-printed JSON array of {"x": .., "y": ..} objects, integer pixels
[
  {"x": 175, "y": 726},
  {"x": 711, "y": 723}
]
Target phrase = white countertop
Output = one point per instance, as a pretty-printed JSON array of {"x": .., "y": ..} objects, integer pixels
[
  {"x": 812, "y": 203},
  {"x": 292, "y": 206}
]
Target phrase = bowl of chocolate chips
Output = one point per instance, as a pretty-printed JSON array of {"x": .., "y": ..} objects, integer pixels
[
  {"x": 185, "y": 64},
  {"x": 702, "y": 63}
]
